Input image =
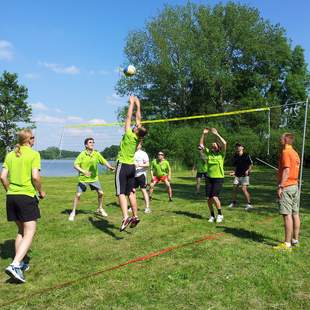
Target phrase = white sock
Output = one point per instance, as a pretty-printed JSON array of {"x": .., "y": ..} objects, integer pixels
[{"x": 288, "y": 244}]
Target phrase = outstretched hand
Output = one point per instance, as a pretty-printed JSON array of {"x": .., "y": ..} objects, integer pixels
[{"x": 206, "y": 130}]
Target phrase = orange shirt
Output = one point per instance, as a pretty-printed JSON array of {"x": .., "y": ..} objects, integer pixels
[{"x": 289, "y": 159}]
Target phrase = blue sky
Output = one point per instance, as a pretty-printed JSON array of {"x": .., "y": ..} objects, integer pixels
[{"x": 67, "y": 53}]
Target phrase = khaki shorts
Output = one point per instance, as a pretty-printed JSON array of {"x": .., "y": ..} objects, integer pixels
[
  {"x": 242, "y": 181},
  {"x": 289, "y": 202}
]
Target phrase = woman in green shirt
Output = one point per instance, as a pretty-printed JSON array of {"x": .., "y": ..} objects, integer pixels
[
  {"x": 215, "y": 163},
  {"x": 20, "y": 178}
]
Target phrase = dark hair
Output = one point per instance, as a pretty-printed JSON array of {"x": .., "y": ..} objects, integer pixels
[
  {"x": 289, "y": 136},
  {"x": 239, "y": 144},
  {"x": 141, "y": 132},
  {"x": 88, "y": 139}
]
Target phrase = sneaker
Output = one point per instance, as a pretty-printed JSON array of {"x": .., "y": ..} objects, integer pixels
[
  {"x": 125, "y": 223},
  {"x": 24, "y": 266},
  {"x": 71, "y": 216},
  {"x": 248, "y": 207},
  {"x": 295, "y": 243},
  {"x": 147, "y": 210},
  {"x": 134, "y": 222},
  {"x": 101, "y": 212},
  {"x": 170, "y": 199},
  {"x": 232, "y": 204},
  {"x": 219, "y": 218},
  {"x": 211, "y": 219},
  {"x": 15, "y": 273},
  {"x": 130, "y": 210},
  {"x": 283, "y": 247}
]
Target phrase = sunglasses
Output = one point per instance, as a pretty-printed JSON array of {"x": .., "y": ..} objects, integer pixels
[
  {"x": 32, "y": 137},
  {"x": 160, "y": 154}
]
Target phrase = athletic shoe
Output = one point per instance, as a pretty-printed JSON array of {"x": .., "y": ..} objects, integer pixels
[
  {"x": 101, "y": 212},
  {"x": 211, "y": 219},
  {"x": 24, "y": 266},
  {"x": 170, "y": 199},
  {"x": 283, "y": 247},
  {"x": 134, "y": 222},
  {"x": 147, "y": 210},
  {"x": 15, "y": 273},
  {"x": 232, "y": 204},
  {"x": 295, "y": 243},
  {"x": 130, "y": 210},
  {"x": 125, "y": 223},
  {"x": 219, "y": 218},
  {"x": 248, "y": 207},
  {"x": 71, "y": 216}
]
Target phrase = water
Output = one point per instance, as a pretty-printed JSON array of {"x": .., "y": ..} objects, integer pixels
[{"x": 61, "y": 168}]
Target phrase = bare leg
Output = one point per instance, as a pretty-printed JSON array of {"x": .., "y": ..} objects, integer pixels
[
  {"x": 210, "y": 205},
  {"x": 198, "y": 185},
  {"x": 124, "y": 205},
  {"x": 234, "y": 193},
  {"x": 19, "y": 237},
  {"x": 217, "y": 202},
  {"x": 133, "y": 203},
  {"x": 246, "y": 194},
  {"x": 76, "y": 201},
  {"x": 288, "y": 227},
  {"x": 146, "y": 198},
  {"x": 296, "y": 226},
  {"x": 100, "y": 199},
  {"x": 29, "y": 229},
  {"x": 152, "y": 185},
  {"x": 169, "y": 189}
]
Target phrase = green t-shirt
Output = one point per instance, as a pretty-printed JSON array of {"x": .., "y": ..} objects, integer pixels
[
  {"x": 128, "y": 147},
  {"x": 90, "y": 163},
  {"x": 201, "y": 165},
  {"x": 20, "y": 171},
  {"x": 215, "y": 162},
  {"x": 160, "y": 168}
]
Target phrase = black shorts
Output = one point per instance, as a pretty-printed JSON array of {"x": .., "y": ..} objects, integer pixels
[
  {"x": 22, "y": 208},
  {"x": 201, "y": 175},
  {"x": 140, "y": 181},
  {"x": 124, "y": 179},
  {"x": 214, "y": 187}
]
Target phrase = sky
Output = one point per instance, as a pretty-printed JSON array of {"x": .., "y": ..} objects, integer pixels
[{"x": 68, "y": 54}]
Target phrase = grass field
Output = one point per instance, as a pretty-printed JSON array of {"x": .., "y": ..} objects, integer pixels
[{"x": 233, "y": 267}]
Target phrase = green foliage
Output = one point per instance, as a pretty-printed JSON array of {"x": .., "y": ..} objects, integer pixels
[
  {"x": 55, "y": 153},
  {"x": 110, "y": 152},
  {"x": 14, "y": 110}
]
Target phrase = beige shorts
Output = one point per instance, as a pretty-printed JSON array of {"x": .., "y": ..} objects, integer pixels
[
  {"x": 289, "y": 202},
  {"x": 242, "y": 181}
]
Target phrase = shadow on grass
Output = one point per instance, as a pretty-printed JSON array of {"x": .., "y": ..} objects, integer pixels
[
  {"x": 105, "y": 226},
  {"x": 249, "y": 234},
  {"x": 189, "y": 214},
  {"x": 7, "y": 249},
  {"x": 78, "y": 211}
]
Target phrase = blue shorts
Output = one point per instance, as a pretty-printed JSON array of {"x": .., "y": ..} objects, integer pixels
[{"x": 82, "y": 186}]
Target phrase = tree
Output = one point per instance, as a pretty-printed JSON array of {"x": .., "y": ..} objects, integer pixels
[
  {"x": 197, "y": 59},
  {"x": 14, "y": 110},
  {"x": 110, "y": 152}
]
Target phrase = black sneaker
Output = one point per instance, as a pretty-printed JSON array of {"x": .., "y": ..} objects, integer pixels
[
  {"x": 134, "y": 222},
  {"x": 125, "y": 223}
]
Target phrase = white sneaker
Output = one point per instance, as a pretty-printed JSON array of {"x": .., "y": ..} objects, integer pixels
[
  {"x": 71, "y": 216},
  {"x": 211, "y": 219},
  {"x": 232, "y": 205},
  {"x": 101, "y": 212},
  {"x": 219, "y": 218},
  {"x": 130, "y": 210},
  {"x": 248, "y": 207},
  {"x": 147, "y": 210}
]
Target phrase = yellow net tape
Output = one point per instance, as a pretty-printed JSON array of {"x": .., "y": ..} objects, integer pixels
[{"x": 175, "y": 119}]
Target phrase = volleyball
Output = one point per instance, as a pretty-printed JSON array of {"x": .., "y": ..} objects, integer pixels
[{"x": 130, "y": 70}]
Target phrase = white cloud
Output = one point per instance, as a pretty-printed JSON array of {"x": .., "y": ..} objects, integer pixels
[
  {"x": 47, "y": 119},
  {"x": 115, "y": 100},
  {"x": 96, "y": 121},
  {"x": 6, "y": 50},
  {"x": 59, "y": 110},
  {"x": 61, "y": 69},
  {"x": 74, "y": 118},
  {"x": 32, "y": 76},
  {"x": 79, "y": 132},
  {"x": 39, "y": 106}
]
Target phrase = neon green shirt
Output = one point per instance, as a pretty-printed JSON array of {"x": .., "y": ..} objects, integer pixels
[
  {"x": 90, "y": 163},
  {"x": 128, "y": 147},
  {"x": 201, "y": 165},
  {"x": 20, "y": 171},
  {"x": 160, "y": 168},
  {"x": 215, "y": 163}
]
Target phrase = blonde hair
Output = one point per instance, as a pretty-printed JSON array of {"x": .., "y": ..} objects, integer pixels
[
  {"x": 289, "y": 138},
  {"x": 23, "y": 137}
]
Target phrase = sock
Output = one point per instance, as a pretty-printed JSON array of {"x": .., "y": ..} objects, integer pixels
[
  {"x": 288, "y": 244},
  {"x": 212, "y": 213},
  {"x": 234, "y": 202},
  {"x": 219, "y": 211},
  {"x": 16, "y": 265}
]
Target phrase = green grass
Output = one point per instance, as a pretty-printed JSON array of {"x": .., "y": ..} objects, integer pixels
[{"x": 237, "y": 270}]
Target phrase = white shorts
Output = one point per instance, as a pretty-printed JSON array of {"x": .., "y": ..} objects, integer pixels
[{"x": 242, "y": 181}]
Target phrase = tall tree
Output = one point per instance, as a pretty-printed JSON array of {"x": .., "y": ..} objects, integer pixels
[
  {"x": 14, "y": 110},
  {"x": 196, "y": 59}
]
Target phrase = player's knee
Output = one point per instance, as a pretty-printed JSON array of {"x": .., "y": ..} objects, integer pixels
[{"x": 100, "y": 194}]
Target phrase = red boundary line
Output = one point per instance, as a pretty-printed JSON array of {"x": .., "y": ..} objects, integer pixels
[{"x": 133, "y": 261}]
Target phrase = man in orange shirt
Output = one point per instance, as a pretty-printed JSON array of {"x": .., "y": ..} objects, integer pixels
[{"x": 288, "y": 194}]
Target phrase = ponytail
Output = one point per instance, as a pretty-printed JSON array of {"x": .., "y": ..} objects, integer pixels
[{"x": 23, "y": 137}]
